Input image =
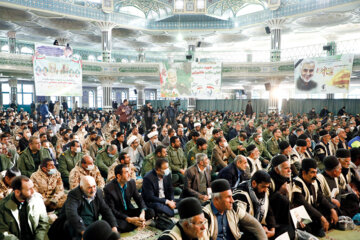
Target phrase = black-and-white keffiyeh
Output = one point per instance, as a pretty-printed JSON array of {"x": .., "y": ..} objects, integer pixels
[{"x": 259, "y": 208}]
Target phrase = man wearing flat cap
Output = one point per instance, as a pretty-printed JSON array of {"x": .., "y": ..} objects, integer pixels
[
  {"x": 225, "y": 216},
  {"x": 297, "y": 155},
  {"x": 254, "y": 163},
  {"x": 333, "y": 143},
  {"x": 280, "y": 193},
  {"x": 307, "y": 192},
  {"x": 322, "y": 149},
  {"x": 192, "y": 223}
]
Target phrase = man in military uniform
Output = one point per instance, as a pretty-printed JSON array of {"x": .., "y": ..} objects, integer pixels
[
  {"x": 150, "y": 160},
  {"x": 47, "y": 181},
  {"x": 32, "y": 156},
  {"x": 85, "y": 167},
  {"x": 238, "y": 144},
  {"x": 265, "y": 156},
  {"x": 190, "y": 144},
  {"x": 200, "y": 147},
  {"x": 9, "y": 150},
  {"x": 177, "y": 160},
  {"x": 226, "y": 128},
  {"x": 5, "y": 182},
  {"x": 68, "y": 160},
  {"x": 273, "y": 142},
  {"x": 211, "y": 143},
  {"x": 267, "y": 133},
  {"x": 192, "y": 223},
  {"x": 124, "y": 159},
  {"x": 105, "y": 158}
]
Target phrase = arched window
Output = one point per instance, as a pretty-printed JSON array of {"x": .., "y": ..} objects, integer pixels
[
  {"x": 91, "y": 99},
  {"x": 152, "y": 96},
  {"x": 26, "y": 50},
  {"x": 5, "y": 48},
  {"x": 123, "y": 96},
  {"x": 113, "y": 96}
]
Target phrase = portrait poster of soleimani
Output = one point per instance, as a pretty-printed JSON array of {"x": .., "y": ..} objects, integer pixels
[
  {"x": 329, "y": 74},
  {"x": 175, "y": 80}
]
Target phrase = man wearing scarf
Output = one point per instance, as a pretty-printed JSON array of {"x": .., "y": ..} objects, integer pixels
[{"x": 254, "y": 198}]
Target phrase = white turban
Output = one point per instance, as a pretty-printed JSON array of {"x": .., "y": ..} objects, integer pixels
[{"x": 131, "y": 140}]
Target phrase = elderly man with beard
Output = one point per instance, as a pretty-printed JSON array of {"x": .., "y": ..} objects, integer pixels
[
  {"x": 29, "y": 209},
  {"x": 306, "y": 192},
  {"x": 254, "y": 198},
  {"x": 224, "y": 216},
  {"x": 84, "y": 205},
  {"x": 280, "y": 194},
  {"x": 192, "y": 223}
]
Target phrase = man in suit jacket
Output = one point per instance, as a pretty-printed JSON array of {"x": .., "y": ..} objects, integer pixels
[
  {"x": 221, "y": 154},
  {"x": 235, "y": 171},
  {"x": 198, "y": 178},
  {"x": 83, "y": 206},
  {"x": 157, "y": 189},
  {"x": 118, "y": 195}
]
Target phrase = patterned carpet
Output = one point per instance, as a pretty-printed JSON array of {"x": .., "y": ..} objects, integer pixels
[{"x": 343, "y": 235}]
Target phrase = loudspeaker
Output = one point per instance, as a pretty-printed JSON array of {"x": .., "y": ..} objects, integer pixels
[
  {"x": 327, "y": 47},
  {"x": 188, "y": 57},
  {"x": 267, "y": 30},
  {"x": 199, "y": 44},
  {"x": 135, "y": 91},
  {"x": 267, "y": 86}
]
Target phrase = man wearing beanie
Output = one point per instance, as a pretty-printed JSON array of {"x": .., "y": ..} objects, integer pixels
[
  {"x": 280, "y": 194},
  {"x": 322, "y": 149},
  {"x": 254, "y": 162},
  {"x": 224, "y": 216},
  {"x": 297, "y": 155},
  {"x": 192, "y": 223},
  {"x": 307, "y": 192},
  {"x": 100, "y": 230},
  {"x": 333, "y": 144},
  {"x": 254, "y": 198}
]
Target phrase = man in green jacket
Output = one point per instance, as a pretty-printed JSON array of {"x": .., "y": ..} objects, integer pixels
[
  {"x": 265, "y": 156},
  {"x": 200, "y": 147},
  {"x": 23, "y": 209},
  {"x": 211, "y": 143},
  {"x": 238, "y": 144},
  {"x": 68, "y": 160},
  {"x": 150, "y": 160},
  {"x": 267, "y": 133},
  {"x": 32, "y": 156},
  {"x": 190, "y": 144},
  {"x": 273, "y": 142},
  {"x": 177, "y": 160},
  {"x": 105, "y": 158}
]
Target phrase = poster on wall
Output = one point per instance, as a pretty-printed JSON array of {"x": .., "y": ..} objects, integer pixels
[
  {"x": 175, "y": 80},
  {"x": 330, "y": 74},
  {"x": 56, "y": 71},
  {"x": 206, "y": 80}
]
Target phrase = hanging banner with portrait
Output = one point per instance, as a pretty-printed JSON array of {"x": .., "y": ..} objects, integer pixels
[
  {"x": 175, "y": 80},
  {"x": 206, "y": 80},
  {"x": 56, "y": 71},
  {"x": 329, "y": 74}
]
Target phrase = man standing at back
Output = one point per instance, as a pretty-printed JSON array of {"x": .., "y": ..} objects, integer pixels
[{"x": 125, "y": 112}]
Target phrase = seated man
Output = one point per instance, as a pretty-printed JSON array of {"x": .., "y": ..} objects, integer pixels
[
  {"x": 254, "y": 198},
  {"x": 135, "y": 152},
  {"x": 47, "y": 181},
  {"x": 221, "y": 155},
  {"x": 265, "y": 156},
  {"x": 5, "y": 182},
  {"x": 254, "y": 163},
  {"x": 96, "y": 146},
  {"x": 177, "y": 161},
  {"x": 151, "y": 145},
  {"x": 150, "y": 160},
  {"x": 200, "y": 147},
  {"x": 157, "y": 189},
  {"x": 224, "y": 216},
  {"x": 280, "y": 194},
  {"x": 68, "y": 160},
  {"x": 84, "y": 205},
  {"x": 120, "y": 141},
  {"x": 118, "y": 195},
  {"x": 197, "y": 179},
  {"x": 123, "y": 159},
  {"x": 306, "y": 192},
  {"x": 238, "y": 144},
  {"x": 349, "y": 175},
  {"x": 85, "y": 167},
  {"x": 235, "y": 172},
  {"x": 32, "y": 156},
  {"x": 30, "y": 211},
  {"x": 192, "y": 223},
  {"x": 297, "y": 155},
  {"x": 190, "y": 144},
  {"x": 105, "y": 158}
]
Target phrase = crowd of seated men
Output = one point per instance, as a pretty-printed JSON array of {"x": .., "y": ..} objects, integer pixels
[{"x": 87, "y": 174}]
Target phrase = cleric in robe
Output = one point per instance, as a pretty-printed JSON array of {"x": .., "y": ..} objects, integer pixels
[{"x": 305, "y": 82}]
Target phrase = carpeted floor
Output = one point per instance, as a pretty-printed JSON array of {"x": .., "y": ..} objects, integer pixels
[{"x": 343, "y": 235}]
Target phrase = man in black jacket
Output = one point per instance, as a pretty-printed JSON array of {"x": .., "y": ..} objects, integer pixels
[
  {"x": 157, "y": 189},
  {"x": 148, "y": 112},
  {"x": 235, "y": 171},
  {"x": 118, "y": 195},
  {"x": 83, "y": 206}
]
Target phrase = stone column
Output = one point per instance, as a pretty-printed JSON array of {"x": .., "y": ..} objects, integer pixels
[
  {"x": 106, "y": 39},
  {"x": 13, "y": 90},
  {"x": 12, "y": 41},
  {"x": 106, "y": 84},
  {"x": 140, "y": 96},
  {"x": 275, "y": 26},
  {"x": 273, "y": 96},
  {"x": 141, "y": 55}
]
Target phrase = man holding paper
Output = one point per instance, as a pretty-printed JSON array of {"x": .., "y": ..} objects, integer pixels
[{"x": 307, "y": 192}]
